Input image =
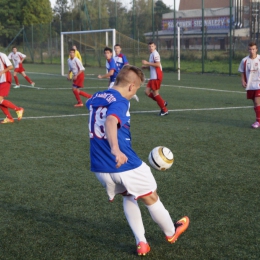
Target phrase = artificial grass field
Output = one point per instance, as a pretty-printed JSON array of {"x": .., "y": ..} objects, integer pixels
[{"x": 52, "y": 206}]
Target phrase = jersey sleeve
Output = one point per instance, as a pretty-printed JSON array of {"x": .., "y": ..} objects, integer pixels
[
  {"x": 156, "y": 57},
  {"x": 6, "y": 61},
  {"x": 112, "y": 65},
  {"x": 241, "y": 67},
  {"x": 119, "y": 110},
  {"x": 22, "y": 56},
  {"x": 79, "y": 64},
  {"x": 125, "y": 61}
]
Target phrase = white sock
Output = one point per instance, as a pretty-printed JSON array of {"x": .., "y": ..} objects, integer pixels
[
  {"x": 134, "y": 218},
  {"x": 162, "y": 217}
]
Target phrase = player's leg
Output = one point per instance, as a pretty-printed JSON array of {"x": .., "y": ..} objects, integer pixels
[
  {"x": 255, "y": 96},
  {"x": 28, "y": 79},
  {"x": 161, "y": 103},
  {"x": 134, "y": 219},
  {"x": 5, "y": 105},
  {"x": 84, "y": 94},
  {"x": 257, "y": 110},
  {"x": 162, "y": 217},
  {"x": 148, "y": 91},
  {"x": 75, "y": 91},
  {"x": 17, "y": 84}
]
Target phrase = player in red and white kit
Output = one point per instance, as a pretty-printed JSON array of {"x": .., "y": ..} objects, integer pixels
[
  {"x": 18, "y": 59},
  {"x": 250, "y": 78},
  {"x": 77, "y": 69},
  {"x": 5, "y": 85},
  {"x": 156, "y": 76}
]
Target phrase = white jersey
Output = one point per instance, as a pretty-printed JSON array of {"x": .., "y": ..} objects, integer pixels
[
  {"x": 75, "y": 65},
  {"x": 4, "y": 63},
  {"x": 17, "y": 58},
  {"x": 251, "y": 70},
  {"x": 155, "y": 73}
]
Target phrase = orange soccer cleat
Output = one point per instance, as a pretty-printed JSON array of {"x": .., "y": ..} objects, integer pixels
[
  {"x": 7, "y": 121},
  {"x": 143, "y": 248},
  {"x": 180, "y": 226},
  {"x": 19, "y": 114}
]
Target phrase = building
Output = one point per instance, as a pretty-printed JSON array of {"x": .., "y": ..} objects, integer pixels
[{"x": 243, "y": 16}]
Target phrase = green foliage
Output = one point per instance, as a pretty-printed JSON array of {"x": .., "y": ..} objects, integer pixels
[{"x": 15, "y": 14}]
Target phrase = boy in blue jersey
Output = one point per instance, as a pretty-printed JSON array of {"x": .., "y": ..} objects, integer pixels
[
  {"x": 112, "y": 69},
  {"x": 117, "y": 166},
  {"x": 121, "y": 60}
]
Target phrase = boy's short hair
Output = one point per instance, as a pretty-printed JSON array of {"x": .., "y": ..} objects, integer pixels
[
  {"x": 251, "y": 44},
  {"x": 108, "y": 49},
  {"x": 150, "y": 43},
  {"x": 72, "y": 50},
  {"x": 117, "y": 45}
]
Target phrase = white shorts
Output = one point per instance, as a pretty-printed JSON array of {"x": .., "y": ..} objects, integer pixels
[
  {"x": 111, "y": 84},
  {"x": 138, "y": 182}
]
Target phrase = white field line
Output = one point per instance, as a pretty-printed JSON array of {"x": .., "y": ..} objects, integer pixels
[
  {"x": 143, "y": 112},
  {"x": 163, "y": 85}
]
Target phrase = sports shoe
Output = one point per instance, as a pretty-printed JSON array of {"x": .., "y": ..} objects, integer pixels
[
  {"x": 17, "y": 86},
  {"x": 180, "y": 226},
  {"x": 136, "y": 98},
  {"x": 256, "y": 124},
  {"x": 7, "y": 121},
  {"x": 79, "y": 105},
  {"x": 143, "y": 248},
  {"x": 32, "y": 84},
  {"x": 19, "y": 114},
  {"x": 163, "y": 113}
]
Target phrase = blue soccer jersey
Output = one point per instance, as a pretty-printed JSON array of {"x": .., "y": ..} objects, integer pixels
[
  {"x": 101, "y": 105},
  {"x": 111, "y": 65},
  {"x": 120, "y": 61}
]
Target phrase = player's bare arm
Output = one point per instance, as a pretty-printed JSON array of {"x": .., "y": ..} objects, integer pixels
[
  {"x": 107, "y": 75},
  {"x": 153, "y": 64},
  {"x": 111, "y": 134},
  {"x": 244, "y": 84}
]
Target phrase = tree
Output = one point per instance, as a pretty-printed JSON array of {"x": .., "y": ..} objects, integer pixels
[
  {"x": 35, "y": 12},
  {"x": 61, "y": 7},
  {"x": 160, "y": 9}
]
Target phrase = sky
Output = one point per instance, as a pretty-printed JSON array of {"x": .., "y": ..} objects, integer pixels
[{"x": 167, "y": 2}]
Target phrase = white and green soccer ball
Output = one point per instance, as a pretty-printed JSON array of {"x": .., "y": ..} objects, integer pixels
[{"x": 161, "y": 158}]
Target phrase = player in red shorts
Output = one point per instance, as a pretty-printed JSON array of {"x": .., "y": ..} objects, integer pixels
[
  {"x": 77, "y": 69},
  {"x": 250, "y": 78},
  {"x": 5, "y": 85},
  {"x": 18, "y": 59},
  {"x": 156, "y": 76}
]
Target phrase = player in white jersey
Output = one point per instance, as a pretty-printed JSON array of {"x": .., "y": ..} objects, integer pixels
[
  {"x": 156, "y": 76},
  {"x": 250, "y": 78},
  {"x": 77, "y": 70},
  {"x": 18, "y": 59},
  {"x": 5, "y": 84}
]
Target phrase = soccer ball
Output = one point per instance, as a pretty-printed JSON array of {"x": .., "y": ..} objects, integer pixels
[{"x": 161, "y": 158}]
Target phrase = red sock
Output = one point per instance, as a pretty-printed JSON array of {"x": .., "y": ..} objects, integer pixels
[
  {"x": 76, "y": 93},
  {"x": 257, "y": 113},
  {"x": 160, "y": 102},
  {"x": 16, "y": 80},
  {"x": 9, "y": 104},
  {"x": 151, "y": 96},
  {"x": 28, "y": 79},
  {"x": 85, "y": 94},
  {"x": 6, "y": 111}
]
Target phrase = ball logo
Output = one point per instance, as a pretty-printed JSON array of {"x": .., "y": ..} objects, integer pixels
[{"x": 161, "y": 158}]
